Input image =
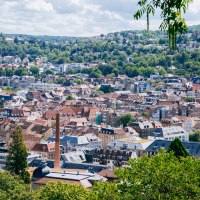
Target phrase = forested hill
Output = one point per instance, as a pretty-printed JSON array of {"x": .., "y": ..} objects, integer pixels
[{"x": 126, "y": 52}]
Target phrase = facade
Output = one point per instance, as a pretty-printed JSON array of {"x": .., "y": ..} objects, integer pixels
[
  {"x": 45, "y": 86},
  {"x": 109, "y": 134},
  {"x": 113, "y": 158},
  {"x": 143, "y": 128},
  {"x": 133, "y": 143},
  {"x": 170, "y": 133},
  {"x": 141, "y": 86}
]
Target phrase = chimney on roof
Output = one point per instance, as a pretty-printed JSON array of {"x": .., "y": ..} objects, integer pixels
[{"x": 57, "y": 143}]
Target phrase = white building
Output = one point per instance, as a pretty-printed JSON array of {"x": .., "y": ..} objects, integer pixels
[
  {"x": 45, "y": 86},
  {"x": 187, "y": 123},
  {"x": 63, "y": 68},
  {"x": 134, "y": 143},
  {"x": 170, "y": 133}
]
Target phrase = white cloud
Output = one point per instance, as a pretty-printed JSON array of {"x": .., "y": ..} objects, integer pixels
[
  {"x": 76, "y": 17},
  {"x": 195, "y": 7},
  {"x": 39, "y": 5}
]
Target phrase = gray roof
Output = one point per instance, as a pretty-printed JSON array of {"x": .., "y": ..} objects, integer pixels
[{"x": 192, "y": 147}]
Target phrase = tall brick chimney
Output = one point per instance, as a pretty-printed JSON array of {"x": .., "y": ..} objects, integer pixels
[{"x": 57, "y": 144}]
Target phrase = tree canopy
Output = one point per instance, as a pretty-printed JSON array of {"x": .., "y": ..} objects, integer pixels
[
  {"x": 177, "y": 147},
  {"x": 12, "y": 188},
  {"x": 126, "y": 119},
  {"x": 195, "y": 137},
  {"x": 160, "y": 177},
  {"x": 171, "y": 14},
  {"x": 17, "y": 158}
]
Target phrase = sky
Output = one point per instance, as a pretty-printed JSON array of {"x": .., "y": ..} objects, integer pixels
[{"x": 77, "y": 17}]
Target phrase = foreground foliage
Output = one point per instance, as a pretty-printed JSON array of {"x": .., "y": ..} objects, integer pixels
[
  {"x": 163, "y": 176},
  {"x": 160, "y": 177},
  {"x": 12, "y": 188},
  {"x": 171, "y": 14}
]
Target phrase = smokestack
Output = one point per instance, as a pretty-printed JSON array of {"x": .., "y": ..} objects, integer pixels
[{"x": 57, "y": 144}]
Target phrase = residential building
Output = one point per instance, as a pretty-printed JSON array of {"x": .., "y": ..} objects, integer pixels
[
  {"x": 140, "y": 87},
  {"x": 132, "y": 143},
  {"x": 192, "y": 147},
  {"x": 109, "y": 134},
  {"x": 169, "y": 133},
  {"x": 143, "y": 128}
]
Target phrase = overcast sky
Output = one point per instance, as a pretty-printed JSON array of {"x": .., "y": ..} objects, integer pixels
[{"x": 76, "y": 17}]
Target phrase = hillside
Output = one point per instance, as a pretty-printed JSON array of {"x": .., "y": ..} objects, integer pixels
[{"x": 127, "y": 52}]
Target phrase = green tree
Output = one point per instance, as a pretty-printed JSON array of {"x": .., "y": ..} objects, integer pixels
[
  {"x": 48, "y": 71},
  {"x": 62, "y": 191},
  {"x": 105, "y": 191},
  {"x": 106, "y": 88},
  {"x": 12, "y": 188},
  {"x": 144, "y": 114},
  {"x": 60, "y": 81},
  {"x": 21, "y": 71},
  {"x": 160, "y": 177},
  {"x": 177, "y": 147},
  {"x": 61, "y": 61},
  {"x": 195, "y": 137},
  {"x": 126, "y": 119},
  {"x": 17, "y": 158},
  {"x": 35, "y": 71},
  {"x": 69, "y": 97},
  {"x": 190, "y": 99},
  {"x": 78, "y": 81},
  {"x": 171, "y": 14},
  {"x": 8, "y": 72}
]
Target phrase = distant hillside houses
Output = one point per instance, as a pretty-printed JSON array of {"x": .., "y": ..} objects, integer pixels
[{"x": 63, "y": 68}]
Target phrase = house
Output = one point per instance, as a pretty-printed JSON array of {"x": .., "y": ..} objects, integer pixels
[
  {"x": 169, "y": 133},
  {"x": 108, "y": 174},
  {"x": 22, "y": 82},
  {"x": 84, "y": 179},
  {"x": 31, "y": 140},
  {"x": 5, "y": 124},
  {"x": 94, "y": 141},
  {"x": 79, "y": 121},
  {"x": 192, "y": 147},
  {"x": 44, "y": 150},
  {"x": 187, "y": 123},
  {"x": 9, "y": 40},
  {"x": 140, "y": 87},
  {"x": 44, "y": 86},
  {"x": 5, "y": 136},
  {"x": 109, "y": 134},
  {"x": 113, "y": 158},
  {"x": 45, "y": 131},
  {"x": 143, "y": 128},
  {"x": 131, "y": 143},
  {"x": 74, "y": 156},
  {"x": 174, "y": 121},
  {"x": 6, "y": 96},
  {"x": 4, "y": 155},
  {"x": 72, "y": 142},
  {"x": 5, "y": 113},
  {"x": 155, "y": 76},
  {"x": 16, "y": 114},
  {"x": 196, "y": 84}
]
